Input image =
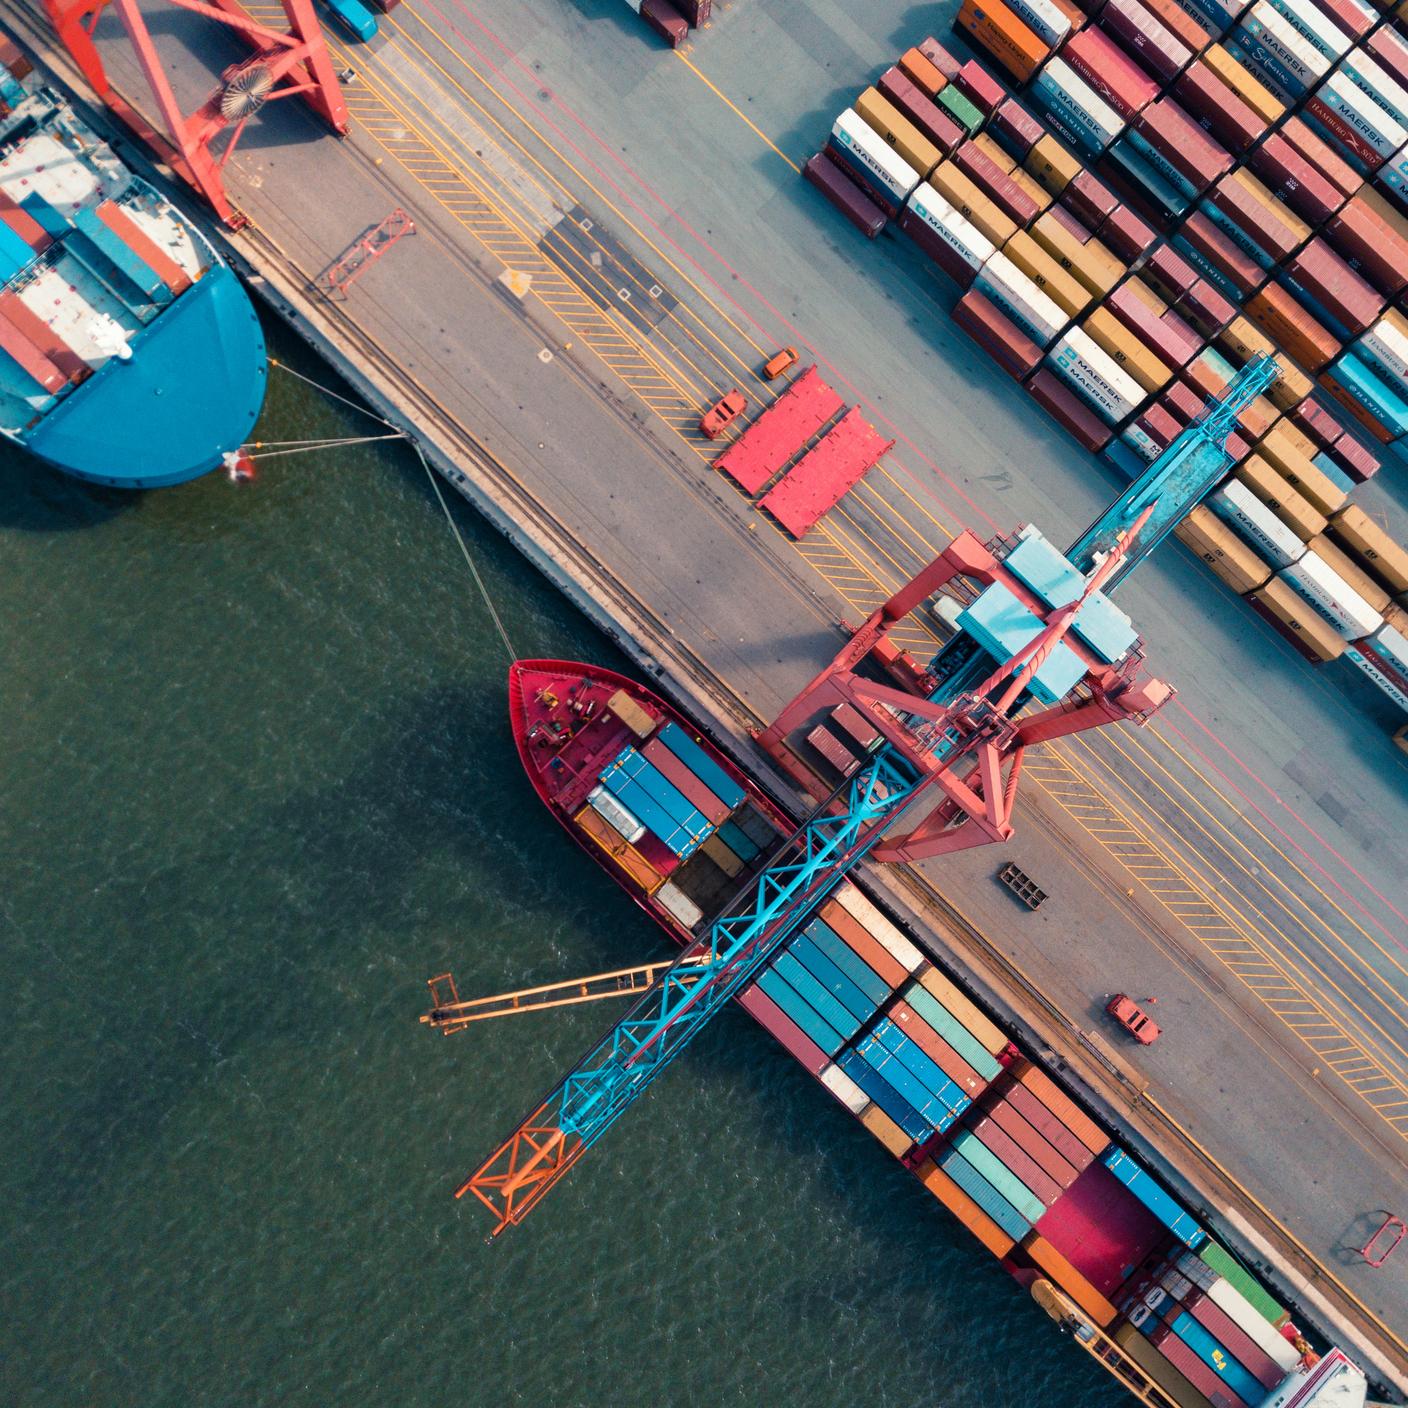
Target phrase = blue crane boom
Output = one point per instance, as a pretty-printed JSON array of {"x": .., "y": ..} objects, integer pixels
[{"x": 960, "y": 738}]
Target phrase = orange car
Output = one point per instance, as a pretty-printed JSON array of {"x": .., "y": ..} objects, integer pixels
[
  {"x": 779, "y": 362},
  {"x": 723, "y": 413},
  {"x": 1133, "y": 1018}
]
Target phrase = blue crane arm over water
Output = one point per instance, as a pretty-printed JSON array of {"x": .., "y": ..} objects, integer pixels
[{"x": 960, "y": 737}]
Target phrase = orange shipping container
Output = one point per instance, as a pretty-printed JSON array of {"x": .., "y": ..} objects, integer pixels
[
  {"x": 965, "y": 197},
  {"x": 1061, "y": 1105},
  {"x": 893, "y": 127},
  {"x": 1232, "y": 559},
  {"x": 1068, "y": 1279},
  {"x": 921, "y": 72},
  {"x": 1295, "y": 613},
  {"x": 1278, "y": 313},
  {"x": 1004, "y": 36},
  {"x": 886, "y": 1131},
  {"x": 619, "y": 849},
  {"x": 965, "y": 1209}
]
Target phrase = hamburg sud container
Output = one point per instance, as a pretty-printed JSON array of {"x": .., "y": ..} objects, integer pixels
[
  {"x": 957, "y": 246},
  {"x": 1384, "y": 348},
  {"x": 1074, "y": 109},
  {"x": 1278, "y": 53},
  {"x": 1077, "y": 360},
  {"x": 880, "y": 169},
  {"x": 1110, "y": 72},
  {"x": 1366, "y": 132},
  {"x": 1331, "y": 597}
]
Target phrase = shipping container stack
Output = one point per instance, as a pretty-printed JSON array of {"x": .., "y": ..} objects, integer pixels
[
  {"x": 1179, "y": 190},
  {"x": 673, "y": 19}
]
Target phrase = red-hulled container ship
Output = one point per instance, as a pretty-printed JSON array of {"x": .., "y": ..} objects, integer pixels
[{"x": 1067, "y": 1211}]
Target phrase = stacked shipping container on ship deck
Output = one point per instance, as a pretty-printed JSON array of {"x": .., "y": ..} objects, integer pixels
[
  {"x": 911, "y": 1055},
  {"x": 1170, "y": 166}
]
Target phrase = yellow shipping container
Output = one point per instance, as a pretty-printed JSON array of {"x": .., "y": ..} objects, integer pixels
[
  {"x": 886, "y": 1131},
  {"x": 1031, "y": 188},
  {"x": 1232, "y": 559},
  {"x": 1111, "y": 335},
  {"x": 1092, "y": 263},
  {"x": 1255, "y": 94},
  {"x": 1052, "y": 165},
  {"x": 1384, "y": 558},
  {"x": 1146, "y": 295},
  {"x": 1289, "y": 505},
  {"x": 889, "y": 123},
  {"x": 972, "y": 204},
  {"x": 987, "y": 144},
  {"x": 1377, "y": 596},
  {"x": 1241, "y": 340},
  {"x": 1292, "y": 609},
  {"x": 961, "y": 1007},
  {"x": 1289, "y": 452},
  {"x": 1057, "y": 283}
]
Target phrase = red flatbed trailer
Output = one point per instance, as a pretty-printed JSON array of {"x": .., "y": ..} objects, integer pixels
[
  {"x": 825, "y": 475},
  {"x": 780, "y": 432}
]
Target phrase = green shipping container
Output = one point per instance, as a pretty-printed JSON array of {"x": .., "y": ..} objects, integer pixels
[
  {"x": 999, "y": 1175},
  {"x": 951, "y": 1029},
  {"x": 961, "y": 109},
  {"x": 1227, "y": 1266}
]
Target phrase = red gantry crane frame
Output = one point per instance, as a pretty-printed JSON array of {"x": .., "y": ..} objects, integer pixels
[{"x": 284, "y": 64}]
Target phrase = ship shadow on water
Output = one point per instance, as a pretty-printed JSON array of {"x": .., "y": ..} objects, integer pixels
[{"x": 37, "y": 499}]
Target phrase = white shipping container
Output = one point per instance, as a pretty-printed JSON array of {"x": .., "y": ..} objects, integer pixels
[
  {"x": 1363, "y": 114},
  {"x": 878, "y": 927},
  {"x": 1392, "y": 644},
  {"x": 1078, "y": 360},
  {"x": 886, "y": 167},
  {"x": 1300, "y": 58},
  {"x": 1079, "y": 102},
  {"x": 1385, "y": 348},
  {"x": 1371, "y": 667},
  {"x": 679, "y": 904},
  {"x": 1394, "y": 173},
  {"x": 960, "y": 234},
  {"x": 1315, "y": 27},
  {"x": 634, "y": 5},
  {"x": 1045, "y": 20},
  {"x": 1384, "y": 89},
  {"x": 1276, "y": 541},
  {"x": 1316, "y": 582},
  {"x": 845, "y": 1089},
  {"x": 614, "y": 814},
  {"x": 1142, "y": 443},
  {"x": 1037, "y": 314},
  {"x": 1253, "y": 1324}
]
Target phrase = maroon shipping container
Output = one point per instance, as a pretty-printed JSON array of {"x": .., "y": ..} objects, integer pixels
[
  {"x": 1039, "y": 1117},
  {"x": 1274, "y": 236},
  {"x": 1349, "y": 299},
  {"x": 998, "y": 1142},
  {"x": 1090, "y": 200},
  {"x": 938, "y": 249},
  {"x": 1319, "y": 424},
  {"x": 1233, "y": 1338},
  {"x": 1014, "y": 129},
  {"x": 1069, "y": 222},
  {"x": 941, "y": 129},
  {"x": 1109, "y": 71},
  {"x": 1370, "y": 246},
  {"x": 1160, "y": 425},
  {"x": 769, "y": 1015},
  {"x": 697, "y": 12},
  {"x": 666, "y": 21},
  {"x": 1354, "y": 458},
  {"x": 996, "y": 333},
  {"x": 1292, "y": 178},
  {"x": 1346, "y": 16},
  {"x": 1072, "y": 414},
  {"x": 1168, "y": 337},
  {"x": 1390, "y": 49},
  {"x": 1182, "y": 143},
  {"x": 844, "y": 194},
  {"x": 1169, "y": 274},
  {"x": 1322, "y": 156},
  {"x": 1206, "y": 309},
  {"x": 939, "y": 57},
  {"x": 975, "y": 163},
  {"x": 1182, "y": 402},
  {"x": 1217, "y": 109},
  {"x": 1204, "y": 1379},
  {"x": 936, "y": 1048},
  {"x": 1031, "y": 1143},
  {"x": 1151, "y": 43},
  {"x": 1126, "y": 234},
  {"x": 979, "y": 87}
]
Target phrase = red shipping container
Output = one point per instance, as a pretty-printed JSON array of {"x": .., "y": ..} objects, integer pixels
[
  {"x": 999, "y": 1143},
  {"x": 976, "y": 164},
  {"x": 1159, "y": 425},
  {"x": 1169, "y": 274},
  {"x": 935, "y": 124},
  {"x": 1168, "y": 337},
  {"x": 1390, "y": 50},
  {"x": 844, "y": 194},
  {"x": 1048, "y": 1125},
  {"x": 1204, "y": 1379},
  {"x": 979, "y": 87},
  {"x": 1215, "y": 107},
  {"x": 1346, "y": 16},
  {"x": 1072, "y": 414},
  {"x": 1126, "y": 234},
  {"x": 1151, "y": 43},
  {"x": 1182, "y": 402},
  {"x": 1276, "y": 237},
  {"x": 1233, "y": 1338},
  {"x": 1090, "y": 200},
  {"x": 1206, "y": 309},
  {"x": 1182, "y": 143},
  {"x": 936, "y": 1048},
  {"x": 1190, "y": 32},
  {"x": 1068, "y": 221},
  {"x": 1292, "y": 178},
  {"x": 666, "y": 21},
  {"x": 697, "y": 12},
  {"x": 1319, "y": 424},
  {"x": 939, "y": 57},
  {"x": 770, "y": 1016},
  {"x": 1346, "y": 297},
  {"x": 1015, "y": 129},
  {"x": 1370, "y": 246},
  {"x": 997, "y": 334},
  {"x": 1031, "y": 1143},
  {"x": 1110, "y": 72},
  {"x": 1321, "y": 156},
  {"x": 1354, "y": 458}
]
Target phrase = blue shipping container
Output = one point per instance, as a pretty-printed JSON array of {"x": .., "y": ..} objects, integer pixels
[
  {"x": 119, "y": 253},
  {"x": 886, "y": 1096},
  {"x": 663, "y": 790},
  {"x": 1372, "y": 392},
  {"x": 924, "y": 1068},
  {"x": 997, "y": 1173},
  {"x": 832, "y": 1009},
  {"x": 650, "y": 813},
  {"x": 832, "y": 978},
  {"x": 848, "y": 961},
  {"x": 985, "y": 1195},
  {"x": 1206, "y": 1346},
  {"x": 702, "y": 766},
  {"x": 15, "y": 254},
  {"x": 739, "y": 842},
  {"x": 952, "y": 1030},
  {"x": 1172, "y": 1214},
  {"x": 879, "y": 1056},
  {"x": 794, "y": 1005}
]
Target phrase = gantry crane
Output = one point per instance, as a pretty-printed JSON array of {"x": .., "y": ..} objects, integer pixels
[{"x": 954, "y": 734}]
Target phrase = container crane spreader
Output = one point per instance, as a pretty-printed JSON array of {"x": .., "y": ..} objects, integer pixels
[{"x": 1041, "y": 652}]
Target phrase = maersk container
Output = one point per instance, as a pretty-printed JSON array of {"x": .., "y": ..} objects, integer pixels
[
  {"x": 1315, "y": 27},
  {"x": 984, "y": 1194},
  {"x": 816, "y": 995},
  {"x": 1169, "y": 1211},
  {"x": 1061, "y": 88},
  {"x": 1218, "y": 1358},
  {"x": 1276, "y": 541},
  {"x": 951, "y": 229},
  {"x": 952, "y": 1030},
  {"x": 998, "y": 1174},
  {"x": 851, "y": 997},
  {"x": 876, "y": 163},
  {"x": 1331, "y": 597},
  {"x": 1286, "y": 61},
  {"x": 1096, "y": 375},
  {"x": 1377, "y": 84},
  {"x": 886, "y": 1096},
  {"x": 875, "y": 988},
  {"x": 1374, "y": 668},
  {"x": 1036, "y": 313},
  {"x": 800, "y": 1012},
  {"x": 1162, "y": 183},
  {"x": 922, "y": 1066},
  {"x": 1393, "y": 175},
  {"x": 1364, "y": 128},
  {"x": 1392, "y": 644},
  {"x": 1046, "y": 20},
  {"x": 845, "y": 1089}
]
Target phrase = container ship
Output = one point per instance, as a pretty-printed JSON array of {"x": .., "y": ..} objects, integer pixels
[
  {"x": 1066, "y": 1210},
  {"x": 129, "y": 353}
]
